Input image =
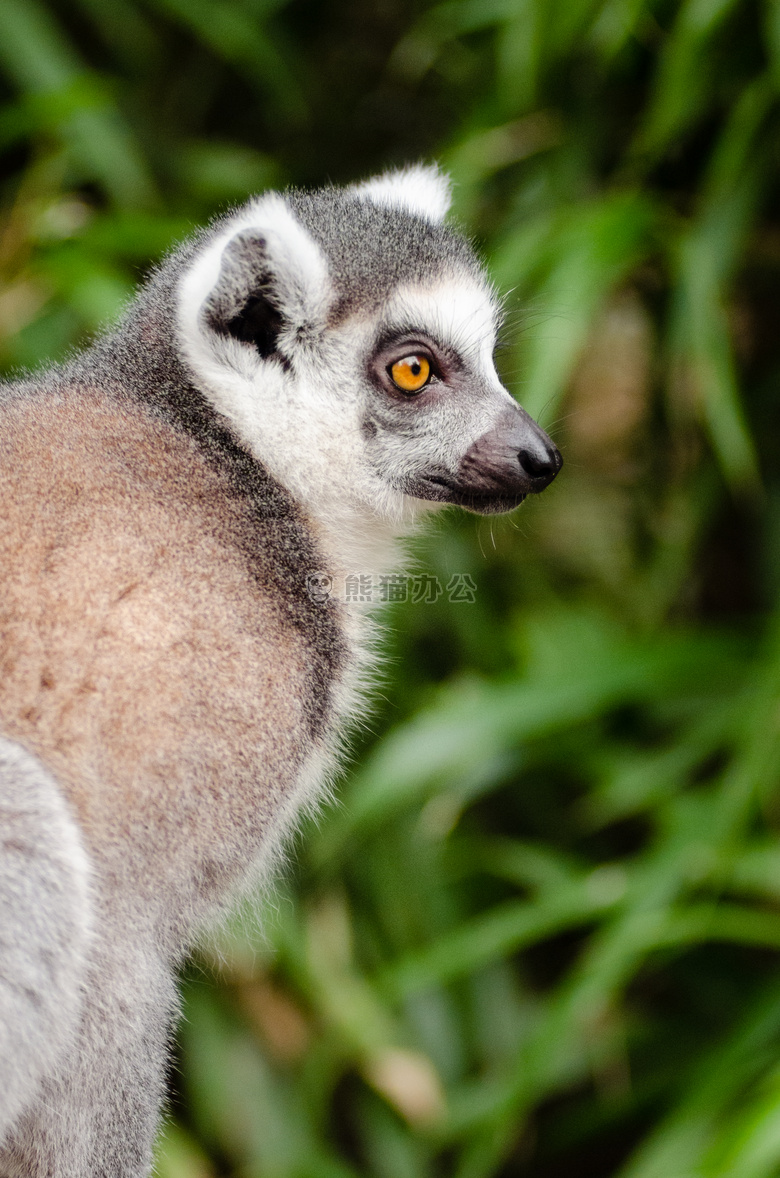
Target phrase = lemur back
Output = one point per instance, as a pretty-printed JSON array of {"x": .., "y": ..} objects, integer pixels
[{"x": 291, "y": 390}]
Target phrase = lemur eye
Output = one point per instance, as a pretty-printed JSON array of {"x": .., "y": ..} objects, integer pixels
[{"x": 411, "y": 373}]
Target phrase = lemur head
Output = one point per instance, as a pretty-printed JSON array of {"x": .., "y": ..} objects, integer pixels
[{"x": 348, "y": 336}]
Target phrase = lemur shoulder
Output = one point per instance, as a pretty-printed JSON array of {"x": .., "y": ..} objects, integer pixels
[{"x": 288, "y": 392}]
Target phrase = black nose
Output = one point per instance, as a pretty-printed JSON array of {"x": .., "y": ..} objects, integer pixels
[
  {"x": 513, "y": 459},
  {"x": 541, "y": 466}
]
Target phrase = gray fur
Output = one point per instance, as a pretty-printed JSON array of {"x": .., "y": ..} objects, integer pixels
[
  {"x": 371, "y": 250},
  {"x": 171, "y": 692}
]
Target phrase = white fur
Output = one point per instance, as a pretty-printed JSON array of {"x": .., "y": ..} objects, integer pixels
[
  {"x": 45, "y": 928},
  {"x": 422, "y": 190},
  {"x": 298, "y": 266},
  {"x": 456, "y": 311},
  {"x": 305, "y": 427}
]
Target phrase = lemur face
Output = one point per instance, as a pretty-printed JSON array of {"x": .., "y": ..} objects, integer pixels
[
  {"x": 348, "y": 335},
  {"x": 439, "y": 425}
]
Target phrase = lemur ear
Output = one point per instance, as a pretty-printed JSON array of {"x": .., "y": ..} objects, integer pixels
[
  {"x": 422, "y": 189},
  {"x": 262, "y": 276},
  {"x": 245, "y": 303}
]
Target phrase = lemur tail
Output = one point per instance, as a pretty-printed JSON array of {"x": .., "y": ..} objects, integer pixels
[{"x": 45, "y": 917}]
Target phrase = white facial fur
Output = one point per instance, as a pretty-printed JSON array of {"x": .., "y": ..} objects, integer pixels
[{"x": 305, "y": 421}]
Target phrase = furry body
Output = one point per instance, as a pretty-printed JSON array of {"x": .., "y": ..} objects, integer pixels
[
  {"x": 141, "y": 665},
  {"x": 170, "y": 692}
]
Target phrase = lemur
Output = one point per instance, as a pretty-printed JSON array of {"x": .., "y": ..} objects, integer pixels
[{"x": 290, "y": 390}]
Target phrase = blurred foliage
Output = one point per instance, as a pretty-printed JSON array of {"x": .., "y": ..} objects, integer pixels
[{"x": 540, "y": 933}]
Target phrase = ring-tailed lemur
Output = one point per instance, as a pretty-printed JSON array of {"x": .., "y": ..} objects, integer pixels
[{"x": 286, "y": 394}]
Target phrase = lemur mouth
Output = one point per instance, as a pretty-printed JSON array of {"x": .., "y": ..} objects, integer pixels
[
  {"x": 439, "y": 489},
  {"x": 498, "y": 471}
]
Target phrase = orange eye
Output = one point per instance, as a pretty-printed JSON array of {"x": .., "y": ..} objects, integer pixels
[{"x": 411, "y": 373}]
